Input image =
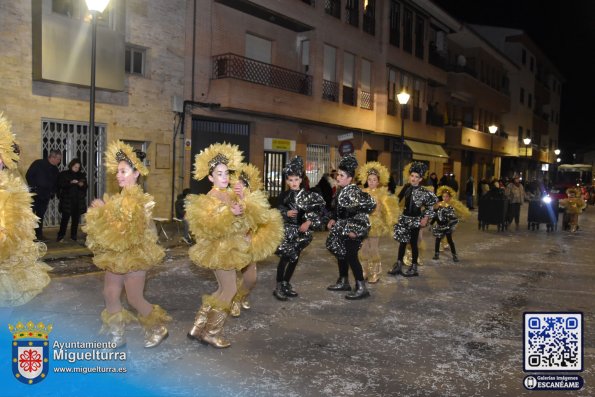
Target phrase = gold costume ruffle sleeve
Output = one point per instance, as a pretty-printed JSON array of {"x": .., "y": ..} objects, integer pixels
[
  {"x": 383, "y": 218},
  {"x": 573, "y": 205},
  {"x": 22, "y": 274},
  {"x": 266, "y": 226},
  {"x": 222, "y": 240},
  {"x": 121, "y": 234}
]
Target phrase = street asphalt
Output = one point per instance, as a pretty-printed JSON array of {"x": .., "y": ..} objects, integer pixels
[{"x": 456, "y": 330}]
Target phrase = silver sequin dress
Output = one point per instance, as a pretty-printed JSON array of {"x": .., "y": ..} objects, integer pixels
[{"x": 419, "y": 203}]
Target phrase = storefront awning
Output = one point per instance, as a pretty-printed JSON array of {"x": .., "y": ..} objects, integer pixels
[{"x": 427, "y": 151}]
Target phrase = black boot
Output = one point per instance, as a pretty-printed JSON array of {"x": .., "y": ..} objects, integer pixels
[
  {"x": 288, "y": 290},
  {"x": 412, "y": 272},
  {"x": 455, "y": 258},
  {"x": 342, "y": 284},
  {"x": 360, "y": 292},
  {"x": 397, "y": 268},
  {"x": 436, "y": 256},
  {"x": 279, "y": 292}
]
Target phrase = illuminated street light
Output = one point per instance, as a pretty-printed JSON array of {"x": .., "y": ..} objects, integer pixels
[
  {"x": 557, "y": 152},
  {"x": 403, "y": 98},
  {"x": 493, "y": 129}
]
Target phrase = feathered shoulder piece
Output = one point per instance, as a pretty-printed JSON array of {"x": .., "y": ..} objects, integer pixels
[
  {"x": 373, "y": 168},
  {"x": 217, "y": 153},
  {"x": 249, "y": 174},
  {"x": 8, "y": 147},
  {"x": 119, "y": 151}
]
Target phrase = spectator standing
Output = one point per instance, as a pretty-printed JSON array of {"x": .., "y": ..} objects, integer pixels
[
  {"x": 433, "y": 181},
  {"x": 515, "y": 193},
  {"x": 470, "y": 192},
  {"x": 42, "y": 178},
  {"x": 72, "y": 193}
]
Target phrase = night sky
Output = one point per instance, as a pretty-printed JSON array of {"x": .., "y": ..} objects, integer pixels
[{"x": 566, "y": 34}]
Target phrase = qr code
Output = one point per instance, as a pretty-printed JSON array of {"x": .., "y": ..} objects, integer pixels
[{"x": 553, "y": 341}]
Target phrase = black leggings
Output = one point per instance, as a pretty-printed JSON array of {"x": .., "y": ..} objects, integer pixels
[
  {"x": 285, "y": 269},
  {"x": 450, "y": 242},
  {"x": 351, "y": 260},
  {"x": 414, "y": 250}
]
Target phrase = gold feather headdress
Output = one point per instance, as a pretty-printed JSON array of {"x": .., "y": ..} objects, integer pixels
[
  {"x": 460, "y": 209},
  {"x": 573, "y": 191},
  {"x": 119, "y": 151},
  {"x": 373, "y": 168},
  {"x": 217, "y": 153},
  {"x": 249, "y": 174},
  {"x": 8, "y": 146}
]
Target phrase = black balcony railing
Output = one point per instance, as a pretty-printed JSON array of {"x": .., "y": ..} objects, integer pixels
[
  {"x": 366, "y": 100},
  {"x": 242, "y": 68},
  {"x": 330, "y": 90},
  {"x": 333, "y": 7},
  {"x": 393, "y": 109}
]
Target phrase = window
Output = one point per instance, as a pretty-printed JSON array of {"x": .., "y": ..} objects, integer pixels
[
  {"x": 349, "y": 79},
  {"x": 522, "y": 97},
  {"x": 520, "y": 132},
  {"x": 395, "y": 23},
  {"x": 134, "y": 60},
  {"x": 258, "y": 48},
  {"x": 524, "y": 56},
  {"x": 531, "y": 63},
  {"x": 370, "y": 16},
  {"x": 530, "y": 101},
  {"x": 333, "y": 7},
  {"x": 352, "y": 12},
  {"x": 366, "y": 100},
  {"x": 305, "y": 55},
  {"x": 408, "y": 30},
  {"x": 330, "y": 88},
  {"x": 419, "y": 37}
]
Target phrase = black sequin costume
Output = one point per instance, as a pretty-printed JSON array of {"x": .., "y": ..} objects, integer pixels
[
  {"x": 351, "y": 208},
  {"x": 309, "y": 206},
  {"x": 445, "y": 219}
]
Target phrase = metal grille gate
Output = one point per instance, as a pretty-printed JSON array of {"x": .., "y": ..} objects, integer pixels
[
  {"x": 72, "y": 139},
  {"x": 273, "y": 172},
  {"x": 318, "y": 162}
]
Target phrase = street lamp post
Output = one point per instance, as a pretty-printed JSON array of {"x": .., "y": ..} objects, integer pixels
[
  {"x": 95, "y": 7},
  {"x": 527, "y": 142},
  {"x": 403, "y": 98},
  {"x": 492, "y": 128}
]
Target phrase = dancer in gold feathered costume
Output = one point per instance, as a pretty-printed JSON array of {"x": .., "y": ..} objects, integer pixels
[
  {"x": 230, "y": 235},
  {"x": 573, "y": 205},
  {"x": 447, "y": 214},
  {"x": 266, "y": 230},
  {"x": 22, "y": 274},
  {"x": 382, "y": 219},
  {"x": 122, "y": 236}
]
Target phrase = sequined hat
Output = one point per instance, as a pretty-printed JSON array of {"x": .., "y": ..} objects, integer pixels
[
  {"x": 295, "y": 167},
  {"x": 419, "y": 168},
  {"x": 348, "y": 164}
]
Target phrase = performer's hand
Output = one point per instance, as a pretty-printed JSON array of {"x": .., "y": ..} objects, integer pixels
[
  {"x": 238, "y": 189},
  {"x": 305, "y": 226},
  {"x": 424, "y": 221},
  {"x": 237, "y": 209},
  {"x": 97, "y": 203},
  {"x": 330, "y": 224},
  {"x": 352, "y": 235},
  {"x": 292, "y": 213}
]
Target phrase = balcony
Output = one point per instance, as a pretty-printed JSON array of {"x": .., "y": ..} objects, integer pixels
[
  {"x": 470, "y": 139},
  {"x": 246, "y": 69},
  {"x": 330, "y": 90}
]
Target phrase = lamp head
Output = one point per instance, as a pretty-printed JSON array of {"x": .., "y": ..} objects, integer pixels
[
  {"x": 527, "y": 141},
  {"x": 557, "y": 152},
  {"x": 558, "y": 160},
  {"x": 493, "y": 128},
  {"x": 97, "y": 5},
  {"x": 403, "y": 97}
]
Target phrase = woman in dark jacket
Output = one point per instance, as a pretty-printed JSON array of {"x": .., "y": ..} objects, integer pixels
[{"x": 72, "y": 192}]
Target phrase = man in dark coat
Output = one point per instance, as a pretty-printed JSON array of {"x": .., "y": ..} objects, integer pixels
[{"x": 42, "y": 178}]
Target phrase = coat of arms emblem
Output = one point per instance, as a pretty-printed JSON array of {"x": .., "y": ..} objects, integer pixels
[{"x": 30, "y": 351}]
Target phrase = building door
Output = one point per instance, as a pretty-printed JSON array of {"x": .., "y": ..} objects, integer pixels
[
  {"x": 73, "y": 140},
  {"x": 208, "y": 131},
  {"x": 318, "y": 162}
]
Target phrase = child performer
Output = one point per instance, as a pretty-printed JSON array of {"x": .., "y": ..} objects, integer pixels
[
  {"x": 417, "y": 211},
  {"x": 573, "y": 205},
  {"x": 382, "y": 218},
  {"x": 349, "y": 225},
  {"x": 266, "y": 231},
  {"x": 22, "y": 274},
  {"x": 123, "y": 239},
  {"x": 447, "y": 214},
  {"x": 301, "y": 213}
]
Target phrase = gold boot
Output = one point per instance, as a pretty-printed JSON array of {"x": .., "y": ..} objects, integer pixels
[
  {"x": 154, "y": 325},
  {"x": 200, "y": 320},
  {"x": 115, "y": 325},
  {"x": 239, "y": 301},
  {"x": 375, "y": 270},
  {"x": 212, "y": 333}
]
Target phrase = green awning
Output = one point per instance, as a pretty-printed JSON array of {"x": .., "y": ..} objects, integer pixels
[{"x": 427, "y": 151}]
